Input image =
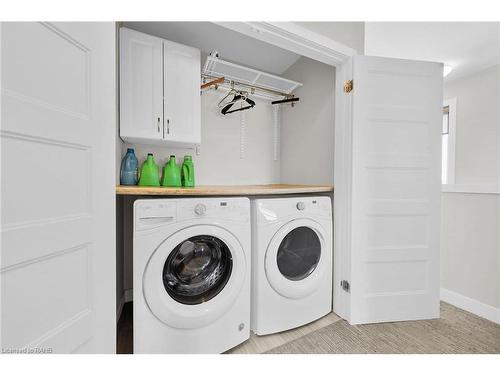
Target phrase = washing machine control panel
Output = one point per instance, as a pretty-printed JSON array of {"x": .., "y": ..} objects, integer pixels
[
  {"x": 235, "y": 208},
  {"x": 152, "y": 213}
]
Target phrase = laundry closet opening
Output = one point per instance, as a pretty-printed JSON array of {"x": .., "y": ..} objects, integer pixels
[{"x": 283, "y": 143}]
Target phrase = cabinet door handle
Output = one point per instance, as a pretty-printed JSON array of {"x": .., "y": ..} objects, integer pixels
[
  {"x": 168, "y": 126},
  {"x": 159, "y": 119}
]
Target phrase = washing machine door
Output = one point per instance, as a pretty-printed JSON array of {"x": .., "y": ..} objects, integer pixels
[
  {"x": 194, "y": 276},
  {"x": 295, "y": 262}
]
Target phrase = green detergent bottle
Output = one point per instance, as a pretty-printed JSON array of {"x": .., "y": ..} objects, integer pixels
[
  {"x": 171, "y": 174},
  {"x": 188, "y": 172},
  {"x": 149, "y": 173}
]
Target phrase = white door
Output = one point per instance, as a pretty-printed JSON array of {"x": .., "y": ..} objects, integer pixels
[
  {"x": 182, "y": 93},
  {"x": 387, "y": 190},
  {"x": 58, "y": 118},
  {"x": 141, "y": 87}
]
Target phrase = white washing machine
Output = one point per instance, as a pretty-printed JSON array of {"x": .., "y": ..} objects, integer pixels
[
  {"x": 291, "y": 262},
  {"x": 191, "y": 274}
]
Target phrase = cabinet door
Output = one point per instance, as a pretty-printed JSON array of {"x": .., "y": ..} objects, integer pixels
[
  {"x": 387, "y": 190},
  {"x": 182, "y": 94},
  {"x": 141, "y": 87}
]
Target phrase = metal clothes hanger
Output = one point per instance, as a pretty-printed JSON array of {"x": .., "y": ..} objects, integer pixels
[
  {"x": 239, "y": 97},
  {"x": 223, "y": 102}
]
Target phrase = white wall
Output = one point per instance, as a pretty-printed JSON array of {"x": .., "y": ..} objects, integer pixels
[
  {"x": 352, "y": 34},
  {"x": 307, "y": 130},
  {"x": 470, "y": 237},
  {"x": 478, "y": 127},
  {"x": 470, "y": 246},
  {"x": 219, "y": 162}
]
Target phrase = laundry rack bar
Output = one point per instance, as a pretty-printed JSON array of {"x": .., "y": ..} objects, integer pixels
[
  {"x": 214, "y": 82},
  {"x": 268, "y": 93}
]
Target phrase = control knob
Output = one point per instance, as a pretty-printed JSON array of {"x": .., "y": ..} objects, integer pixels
[
  {"x": 200, "y": 209},
  {"x": 301, "y": 206}
]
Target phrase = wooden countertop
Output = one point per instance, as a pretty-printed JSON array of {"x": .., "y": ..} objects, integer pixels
[{"x": 214, "y": 190}]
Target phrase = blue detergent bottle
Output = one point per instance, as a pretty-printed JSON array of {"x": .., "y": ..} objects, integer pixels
[{"x": 129, "y": 173}]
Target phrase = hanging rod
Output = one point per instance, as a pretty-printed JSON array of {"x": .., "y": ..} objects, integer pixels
[
  {"x": 249, "y": 86},
  {"x": 284, "y": 101},
  {"x": 214, "y": 82}
]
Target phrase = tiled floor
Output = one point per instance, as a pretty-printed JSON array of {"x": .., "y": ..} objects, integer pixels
[
  {"x": 261, "y": 344},
  {"x": 456, "y": 331},
  {"x": 256, "y": 344}
]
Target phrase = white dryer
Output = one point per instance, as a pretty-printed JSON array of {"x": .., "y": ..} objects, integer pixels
[
  {"x": 191, "y": 274},
  {"x": 291, "y": 262}
]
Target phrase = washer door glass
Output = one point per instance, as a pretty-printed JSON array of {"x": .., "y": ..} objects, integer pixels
[
  {"x": 299, "y": 253},
  {"x": 197, "y": 269}
]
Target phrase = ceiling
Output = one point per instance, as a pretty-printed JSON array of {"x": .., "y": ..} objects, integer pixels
[
  {"x": 231, "y": 45},
  {"x": 467, "y": 47}
]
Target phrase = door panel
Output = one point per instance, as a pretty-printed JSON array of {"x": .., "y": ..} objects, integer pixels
[
  {"x": 57, "y": 159},
  {"x": 394, "y": 207},
  {"x": 44, "y": 292},
  {"x": 141, "y": 86},
  {"x": 182, "y": 93}
]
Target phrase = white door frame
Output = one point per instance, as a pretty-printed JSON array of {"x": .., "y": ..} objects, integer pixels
[{"x": 295, "y": 38}]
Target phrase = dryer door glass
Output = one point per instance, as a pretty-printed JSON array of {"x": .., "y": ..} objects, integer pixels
[
  {"x": 197, "y": 269},
  {"x": 299, "y": 253}
]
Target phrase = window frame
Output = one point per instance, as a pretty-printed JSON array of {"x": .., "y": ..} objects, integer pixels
[{"x": 452, "y": 121}]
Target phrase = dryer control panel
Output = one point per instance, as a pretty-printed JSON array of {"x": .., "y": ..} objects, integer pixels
[{"x": 274, "y": 209}]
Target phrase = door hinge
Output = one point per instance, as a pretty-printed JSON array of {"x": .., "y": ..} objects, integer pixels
[
  {"x": 345, "y": 285},
  {"x": 348, "y": 86}
]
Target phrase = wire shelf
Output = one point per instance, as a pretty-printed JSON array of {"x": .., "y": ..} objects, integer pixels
[{"x": 264, "y": 85}]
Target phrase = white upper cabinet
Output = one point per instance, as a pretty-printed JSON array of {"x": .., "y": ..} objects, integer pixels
[
  {"x": 159, "y": 91},
  {"x": 182, "y": 103},
  {"x": 141, "y": 87}
]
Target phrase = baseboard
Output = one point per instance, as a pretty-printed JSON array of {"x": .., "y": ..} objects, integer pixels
[
  {"x": 471, "y": 305},
  {"x": 128, "y": 295}
]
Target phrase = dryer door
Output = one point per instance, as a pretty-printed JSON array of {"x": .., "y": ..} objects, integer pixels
[
  {"x": 296, "y": 258},
  {"x": 194, "y": 276}
]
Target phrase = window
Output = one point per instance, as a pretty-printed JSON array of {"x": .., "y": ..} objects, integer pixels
[
  {"x": 448, "y": 142},
  {"x": 445, "y": 139}
]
